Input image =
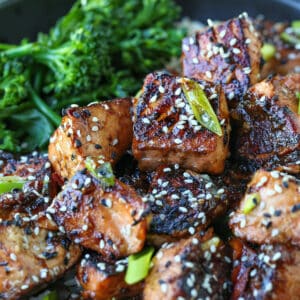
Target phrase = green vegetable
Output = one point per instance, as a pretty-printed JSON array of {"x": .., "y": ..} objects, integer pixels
[
  {"x": 296, "y": 26},
  {"x": 8, "y": 183},
  {"x": 201, "y": 106},
  {"x": 298, "y": 97},
  {"x": 290, "y": 38},
  {"x": 251, "y": 202},
  {"x": 138, "y": 266},
  {"x": 98, "y": 50},
  {"x": 268, "y": 51},
  {"x": 104, "y": 173},
  {"x": 51, "y": 296}
]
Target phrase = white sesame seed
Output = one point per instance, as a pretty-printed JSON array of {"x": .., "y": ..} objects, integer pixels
[
  {"x": 233, "y": 41},
  {"x": 247, "y": 70},
  {"x": 120, "y": 268},
  {"x": 183, "y": 209},
  {"x": 247, "y": 41},
  {"x": 164, "y": 287},
  {"x": 275, "y": 232},
  {"x": 146, "y": 121},
  {"x": 275, "y": 174},
  {"x": 63, "y": 208},
  {"x": 178, "y": 91},
  {"x": 230, "y": 96},
  {"x": 236, "y": 50},
  {"x": 95, "y": 119},
  {"x": 115, "y": 142},
  {"x": 210, "y": 23},
  {"x": 24, "y": 287},
  {"x": 153, "y": 98},
  {"x": 195, "y": 60},
  {"x": 101, "y": 244},
  {"x": 222, "y": 33},
  {"x": 95, "y": 128},
  {"x": 85, "y": 227},
  {"x": 208, "y": 74},
  {"x": 13, "y": 256},
  {"x": 88, "y": 138},
  {"x": 191, "y": 41},
  {"x": 278, "y": 188},
  {"x": 178, "y": 141},
  {"x": 161, "y": 89},
  {"x": 191, "y": 230},
  {"x": 185, "y": 47},
  {"x": 262, "y": 181}
]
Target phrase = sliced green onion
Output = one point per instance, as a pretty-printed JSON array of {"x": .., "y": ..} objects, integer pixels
[
  {"x": 298, "y": 97},
  {"x": 8, "y": 183},
  {"x": 289, "y": 38},
  {"x": 201, "y": 106},
  {"x": 251, "y": 202},
  {"x": 138, "y": 266},
  {"x": 268, "y": 51},
  {"x": 51, "y": 296},
  {"x": 104, "y": 173},
  {"x": 296, "y": 26}
]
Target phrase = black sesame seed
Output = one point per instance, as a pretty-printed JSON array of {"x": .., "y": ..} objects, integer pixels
[
  {"x": 49, "y": 255},
  {"x": 285, "y": 184},
  {"x": 277, "y": 212},
  {"x": 87, "y": 112},
  {"x": 77, "y": 143},
  {"x": 267, "y": 215},
  {"x": 97, "y": 146},
  {"x": 3, "y": 263},
  {"x": 73, "y": 156},
  {"x": 104, "y": 202},
  {"x": 76, "y": 114},
  {"x": 295, "y": 208}
]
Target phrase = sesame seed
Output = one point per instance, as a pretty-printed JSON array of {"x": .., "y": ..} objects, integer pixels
[
  {"x": 233, "y": 41},
  {"x": 236, "y": 50},
  {"x": 276, "y": 256},
  {"x": 185, "y": 47},
  {"x": 95, "y": 128},
  {"x": 85, "y": 227},
  {"x": 230, "y": 96},
  {"x": 275, "y": 232},
  {"x": 114, "y": 142},
  {"x": 191, "y": 230},
  {"x": 222, "y": 33},
  {"x": 145, "y": 120},
  {"x": 178, "y": 141},
  {"x": 88, "y": 138},
  {"x": 13, "y": 257},
  {"x": 164, "y": 287},
  {"x": 262, "y": 181},
  {"x": 178, "y": 91},
  {"x": 183, "y": 209},
  {"x": 120, "y": 268},
  {"x": 95, "y": 119},
  {"x": 247, "y": 70},
  {"x": 24, "y": 287},
  {"x": 63, "y": 208},
  {"x": 210, "y": 23},
  {"x": 153, "y": 98},
  {"x": 101, "y": 244},
  {"x": 208, "y": 74},
  {"x": 161, "y": 89},
  {"x": 191, "y": 41},
  {"x": 195, "y": 60},
  {"x": 43, "y": 273},
  {"x": 247, "y": 41},
  {"x": 278, "y": 188},
  {"x": 165, "y": 129}
]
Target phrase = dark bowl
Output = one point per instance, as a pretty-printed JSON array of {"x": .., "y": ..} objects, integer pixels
[{"x": 24, "y": 18}]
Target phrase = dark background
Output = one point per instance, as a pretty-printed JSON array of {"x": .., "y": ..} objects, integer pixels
[{"x": 24, "y": 18}]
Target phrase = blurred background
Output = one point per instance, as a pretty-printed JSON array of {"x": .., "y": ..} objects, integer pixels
[{"x": 19, "y": 18}]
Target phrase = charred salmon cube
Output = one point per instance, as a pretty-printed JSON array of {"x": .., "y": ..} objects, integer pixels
[
  {"x": 108, "y": 220},
  {"x": 267, "y": 125},
  {"x": 102, "y": 130},
  {"x": 167, "y": 132},
  {"x": 226, "y": 54},
  {"x": 103, "y": 280},
  {"x": 193, "y": 268},
  {"x": 270, "y": 210},
  {"x": 32, "y": 257},
  {"x": 182, "y": 202},
  {"x": 270, "y": 272}
]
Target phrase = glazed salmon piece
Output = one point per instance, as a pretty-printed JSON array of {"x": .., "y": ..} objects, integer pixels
[
  {"x": 226, "y": 54},
  {"x": 270, "y": 210},
  {"x": 31, "y": 257},
  {"x": 267, "y": 126},
  {"x": 103, "y": 280},
  {"x": 108, "y": 220},
  {"x": 193, "y": 268},
  {"x": 166, "y": 131},
  {"x": 270, "y": 272},
  {"x": 182, "y": 202},
  {"x": 102, "y": 131}
]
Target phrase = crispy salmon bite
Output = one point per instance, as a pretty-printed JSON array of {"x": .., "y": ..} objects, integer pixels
[
  {"x": 166, "y": 131},
  {"x": 267, "y": 126},
  {"x": 97, "y": 130},
  {"x": 193, "y": 268},
  {"x": 103, "y": 280},
  {"x": 107, "y": 219},
  {"x": 269, "y": 272},
  {"x": 182, "y": 202},
  {"x": 270, "y": 210},
  {"x": 226, "y": 54}
]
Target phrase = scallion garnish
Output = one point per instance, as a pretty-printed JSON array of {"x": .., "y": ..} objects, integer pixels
[
  {"x": 138, "y": 266},
  {"x": 268, "y": 51},
  {"x": 51, "y": 296},
  {"x": 251, "y": 202},
  {"x": 296, "y": 26},
  {"x": 104, "y": 173},
  {"x": 298, "y": 97},
  {"x": 201, "y": 106},
  {"x": 8, "y": 183}
]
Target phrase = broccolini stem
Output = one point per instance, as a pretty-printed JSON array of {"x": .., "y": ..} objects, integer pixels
[
  {"x": 6, "y": 46},
  {"x": 19, "y": 51},
  {"x": 44, "y": 108}
]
